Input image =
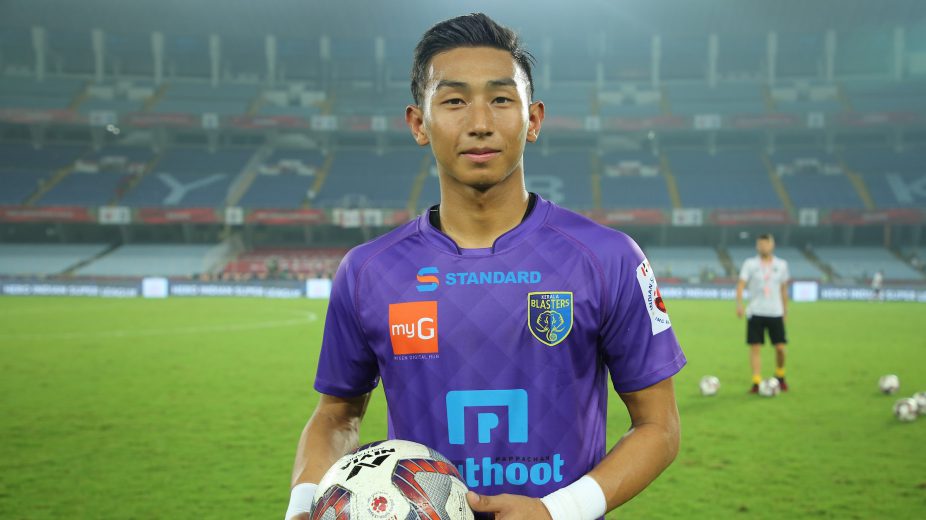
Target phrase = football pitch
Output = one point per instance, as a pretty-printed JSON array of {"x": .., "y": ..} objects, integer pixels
[{"x": 191, "y": 408}]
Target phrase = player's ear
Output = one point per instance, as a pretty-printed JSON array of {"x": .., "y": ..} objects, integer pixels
[
  {"x": 535, "y": 114},
  {"x": 414, "y": 118}
]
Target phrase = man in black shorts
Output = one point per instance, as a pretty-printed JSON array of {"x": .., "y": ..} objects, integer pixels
[{"x": 766, "y": 277}]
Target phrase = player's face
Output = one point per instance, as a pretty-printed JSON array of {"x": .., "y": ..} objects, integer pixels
[
  {"x": 765, "y": 246},
  {"x": 476, "y": 115}
]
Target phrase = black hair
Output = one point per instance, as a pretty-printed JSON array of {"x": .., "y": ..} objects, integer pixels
[
  {"x": 471, "y": 30},
  {"x": 765, "y": 236}
]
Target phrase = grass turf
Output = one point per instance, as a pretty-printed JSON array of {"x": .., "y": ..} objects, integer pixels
[{"x": 191, "y": 408}]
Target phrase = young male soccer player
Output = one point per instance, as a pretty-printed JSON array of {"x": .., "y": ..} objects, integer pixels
[
  {"x": 766, "y": 276},
  {"x": 494, "y": 318}
]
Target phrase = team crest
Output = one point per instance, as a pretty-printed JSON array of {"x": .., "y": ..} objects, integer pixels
[{"x": 549, "y": 316}]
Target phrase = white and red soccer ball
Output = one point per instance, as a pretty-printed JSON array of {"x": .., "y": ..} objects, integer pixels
[
  {"x": 391, "y": 479},
  {"x": 889, "y": 384},
  {"x": 906, "y": 409},
  {"x": 769, "y": 387},
  {"x": 709, "y": 385},
  {"x": 920, "y": 398}
]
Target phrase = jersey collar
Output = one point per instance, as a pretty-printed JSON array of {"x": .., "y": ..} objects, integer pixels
[{"x": 533, "y": 221}]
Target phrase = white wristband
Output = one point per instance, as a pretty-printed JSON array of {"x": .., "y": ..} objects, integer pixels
[
  {"x": 300, "y": 500},
  {"x": 581, "y": 500}
]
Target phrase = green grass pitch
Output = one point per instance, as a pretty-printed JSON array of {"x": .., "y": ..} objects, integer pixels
[{"x": 191, "y": 409}]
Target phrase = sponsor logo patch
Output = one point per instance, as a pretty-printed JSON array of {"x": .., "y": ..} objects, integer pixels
[
  {"x": 658, "y": 317},
  {"x": 427, "y": 279},
  {"x": 549, "y": 316},
  {"x": 413, "y": 328}
]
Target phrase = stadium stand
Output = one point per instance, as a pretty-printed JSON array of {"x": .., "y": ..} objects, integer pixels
[
  {"x": 190, "y": 177},
  {"x": 286, "y": 262},
  {"x": 353, "y": 59},
  {"x": 299, "y": 58},
  {"x": 803, "y": 97},
  {"x": 571, "y": 59},
  {"x": 692, "y": 264},
  {"x": 629, "y": 100},
  {"x": 860, "y": 263},
  {"x": 886, "y": 95},
  {"x": 158, "y": 260},
  {"x": 24, "y": 170},
  {"x": 729, "y": 98},
  {"x": 563, "y": 177},
  {"x": 53, "y": 93},
  {"x": 364, "y": 178},
  {"x": 284, "y": 180},
  {"x": 707, "y": 181},
  {"x": 894, "y": 179},
  {"x": 99, "y": 177},
  {"x": 800, "y": 267},
  {"x": 44, "y": 259},
  {"x": 201, "y": 98},
  {"x": 815, "y": 179},
  {"x": 632, "y": 180}
]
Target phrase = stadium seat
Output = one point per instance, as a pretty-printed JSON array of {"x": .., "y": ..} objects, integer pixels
[
  {"x": 158, "y": 260},
  {"x": 44, "y": 259}
]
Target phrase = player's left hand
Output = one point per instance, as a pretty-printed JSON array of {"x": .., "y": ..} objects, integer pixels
[{"x": 509, "y": 507}]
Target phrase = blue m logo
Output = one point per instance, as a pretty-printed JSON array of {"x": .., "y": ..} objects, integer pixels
[{"x": 514, "y": 400}]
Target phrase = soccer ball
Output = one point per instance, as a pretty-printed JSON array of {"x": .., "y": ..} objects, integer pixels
[
  {"x": 905, "y": 409},
  {"x": 889, "y": 383},
  {"x": 769, "y": 387},
  {"x": 920, "y": 398},
  {"x": 388, "y": 480},
  {"x": 709, "y": 385}
]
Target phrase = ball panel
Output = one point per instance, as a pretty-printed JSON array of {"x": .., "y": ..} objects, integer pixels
[{"x": 333, "y": 505}]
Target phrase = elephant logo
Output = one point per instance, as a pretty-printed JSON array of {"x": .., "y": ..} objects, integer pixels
[{"x": 549, "y": 316}]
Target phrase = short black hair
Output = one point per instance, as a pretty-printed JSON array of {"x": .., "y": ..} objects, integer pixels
[
  {"x": 765, "y": 236},
  {"x": 471, "y": 30}
]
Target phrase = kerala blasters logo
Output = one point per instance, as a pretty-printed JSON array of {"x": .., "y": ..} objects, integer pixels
[{"x": 549, "y": 316}]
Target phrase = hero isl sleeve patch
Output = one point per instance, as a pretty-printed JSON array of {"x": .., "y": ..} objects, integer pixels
[{"x": 659, "y": 318}]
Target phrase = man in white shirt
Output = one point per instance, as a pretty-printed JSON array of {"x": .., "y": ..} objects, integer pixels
[
  {"x": 877, "y": 283},
  {"x": 766, "y": 277}
]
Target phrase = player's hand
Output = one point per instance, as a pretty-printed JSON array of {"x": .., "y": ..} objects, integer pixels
[
  {"x": 300, "y": 516},
  {"x": 509, "y": 507},
  {"x": 740, "y": 311}
]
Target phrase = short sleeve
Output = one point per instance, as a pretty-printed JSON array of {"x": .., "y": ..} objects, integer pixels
[
  {"x": 786, "y": 272},
  {"x": 637, "y": 340},
  {"x": 347, "y": 365},
  {"x": 744, "y": 271}
]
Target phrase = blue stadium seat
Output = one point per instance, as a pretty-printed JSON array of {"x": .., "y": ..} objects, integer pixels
[
  {"x": 636, "y": 182},
  {"x": 365, "y": 179},
  {"x": 287, "y": 189},
  {"x": 815, "y": 179},
  {"x": 894, "y": 179},
  {"x": 563, "y": 177},
  {"x": 731, "y": 179}
]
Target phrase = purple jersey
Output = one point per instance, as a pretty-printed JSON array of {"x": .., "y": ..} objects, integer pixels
[{"x": 498, "y": 358}]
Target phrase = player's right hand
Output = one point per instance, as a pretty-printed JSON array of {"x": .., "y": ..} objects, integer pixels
[{"x": 740, "y": 311}]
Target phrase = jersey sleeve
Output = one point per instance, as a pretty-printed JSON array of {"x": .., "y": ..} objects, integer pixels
[
  {"x": 786, "y": 275},
  {"x": 637, "y": 341},
  {"x": 347, "y": 365},
  {"x": 744, "y": 271}
]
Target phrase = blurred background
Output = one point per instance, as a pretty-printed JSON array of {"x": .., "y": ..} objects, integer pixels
[{"x": 232, "y": 141}]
